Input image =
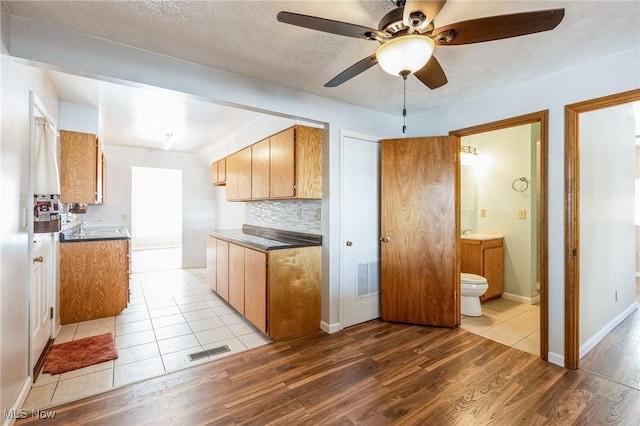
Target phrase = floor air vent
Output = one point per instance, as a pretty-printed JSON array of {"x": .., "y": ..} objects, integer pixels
[{"x": 209, "y": 352}]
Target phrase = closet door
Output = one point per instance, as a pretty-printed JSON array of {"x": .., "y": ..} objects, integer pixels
[{"x": 419, "y": 241}]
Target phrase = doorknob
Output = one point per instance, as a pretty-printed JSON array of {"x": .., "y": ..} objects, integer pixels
[
  {"x": 385, "y": 239},
  {"x": 349, "y": 243},
  {"x": 38, "y": 259}
]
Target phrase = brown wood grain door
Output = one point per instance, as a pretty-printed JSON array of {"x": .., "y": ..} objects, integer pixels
[
  {"x": 419, "y": 194},
  {"x": 260, "y": 169},
  {"x": 236, "y": 277},
  {"x": 255, "y": 288}
]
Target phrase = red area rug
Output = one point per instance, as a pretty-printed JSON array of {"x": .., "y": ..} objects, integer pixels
[{"x": 80, "y": 353}]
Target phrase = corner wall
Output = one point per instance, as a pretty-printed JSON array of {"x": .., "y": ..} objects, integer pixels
[
  {"x": 198, "y": 203},
  {"x": 551, "y": 92},
  {"x": 17, "y": 81}
]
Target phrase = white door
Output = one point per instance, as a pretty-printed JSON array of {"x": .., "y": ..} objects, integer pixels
[
  {"x": 359, "y": 230},
  {"x": 41, "y": 304}
]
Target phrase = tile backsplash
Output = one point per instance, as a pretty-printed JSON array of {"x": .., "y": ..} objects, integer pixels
[{"x": 292, "y": 215}]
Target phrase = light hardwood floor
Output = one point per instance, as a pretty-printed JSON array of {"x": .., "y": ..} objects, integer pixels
[
  {"x": 372, "y": 373},
  {"x": 617, "y": 355}
]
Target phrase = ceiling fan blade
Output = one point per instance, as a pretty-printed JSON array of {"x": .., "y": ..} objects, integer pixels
[
  {"x": 352, "y": 71},
  {"x": 429, "y": 9},
  {"x": 432, "y": 74},
  {"x": 331, "y": 26},
  {"x": 499, "y": 27}
]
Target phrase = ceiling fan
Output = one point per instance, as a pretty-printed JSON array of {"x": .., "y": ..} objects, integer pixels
[{"x": 408, "y": 37}]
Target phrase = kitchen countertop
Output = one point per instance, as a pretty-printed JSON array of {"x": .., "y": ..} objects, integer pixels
[
  {"x": 266, "y": 239},
  {"x": 97, "y": 233}
]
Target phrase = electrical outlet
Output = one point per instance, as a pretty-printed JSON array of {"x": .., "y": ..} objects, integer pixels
[
  {"x": 522, "y": 214},
  {"x": 319, "y": 215},
  {"x": 124, "y": 217},
  {"x": 483, "y": 212},
  {"x": 300, "y": 213},
  {"x": 616, "y": 295}
]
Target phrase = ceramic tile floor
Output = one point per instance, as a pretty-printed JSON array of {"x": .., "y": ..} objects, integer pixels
[
  {"x": 508, "y": 322},
  {"x": 172, "y": 314}
]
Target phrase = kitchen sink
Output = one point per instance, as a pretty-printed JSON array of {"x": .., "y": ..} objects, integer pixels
[{"x": 97, "y": 233}]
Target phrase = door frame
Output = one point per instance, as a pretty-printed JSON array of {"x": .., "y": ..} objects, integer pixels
[
  {"x": 541, "y": 117},
  {"x": 572, "y": 216}
]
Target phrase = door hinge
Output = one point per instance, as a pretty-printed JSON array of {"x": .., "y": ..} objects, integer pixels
[
  {"x": 294, "y": 186},
  {"x": 51, "y": 312},
  {"x": 574, "y": 252},
  {"x": 266, "y": 263}
]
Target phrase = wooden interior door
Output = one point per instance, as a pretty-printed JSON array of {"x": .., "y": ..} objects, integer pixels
[{"x": 420, "y": 276}]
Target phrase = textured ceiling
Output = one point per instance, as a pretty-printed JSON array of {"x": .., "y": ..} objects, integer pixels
[{"x": 244, "y": 37}]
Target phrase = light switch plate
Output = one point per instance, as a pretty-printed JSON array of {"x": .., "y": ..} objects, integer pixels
[{"x": 522, "y": 214}]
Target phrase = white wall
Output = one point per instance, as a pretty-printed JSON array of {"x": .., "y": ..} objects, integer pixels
[
  {"x": 503, "y": 156},
  {"x": 551, "y": 92},
  {"x": 198, "y": 205},
  {"x": 607, "y": 228},
  {"x": 15, "y": 193},
  {"x": 72, "y": 51}
]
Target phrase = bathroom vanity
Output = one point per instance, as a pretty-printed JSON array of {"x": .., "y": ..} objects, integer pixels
[{"x": 483, "y": 254}]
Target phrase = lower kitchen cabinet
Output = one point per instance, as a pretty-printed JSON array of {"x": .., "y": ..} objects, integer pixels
[
  {"x": 278, "y": 291},
  {"x": 94, "y": 279},
  {"x": 236, "y": 277},
  {"x": 222, "y": 269}
]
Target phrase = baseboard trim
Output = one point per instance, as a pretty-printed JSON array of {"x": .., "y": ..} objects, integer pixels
[
  {"x": 330, "y": 328},
  {"x": 19, "y": 402},
  {"x": 592, "y": 342},
  {"x": 556, "y": 359},
  {"x": 521, "y": 299}
]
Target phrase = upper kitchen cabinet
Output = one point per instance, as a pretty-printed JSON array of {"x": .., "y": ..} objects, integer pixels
[
  {"x": 239, "y": 175},
  {"x": 285, "y": 165},
  {"x": 82, "y": 168},
  {"x": 218, "y": 173}
]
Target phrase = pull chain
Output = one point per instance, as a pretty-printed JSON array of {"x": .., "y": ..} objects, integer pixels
[{"x": 404, "y": 103}]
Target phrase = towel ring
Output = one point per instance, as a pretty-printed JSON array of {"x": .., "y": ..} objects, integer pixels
[{"x": 520, "y": 187}]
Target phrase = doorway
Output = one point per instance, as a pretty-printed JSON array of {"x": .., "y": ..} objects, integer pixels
[
  {"x": 498, "y": 194},
  {"x": 540, "y": 213},
  {"x": 573, "y": 216},
  {"x": 156, "y": 219}
]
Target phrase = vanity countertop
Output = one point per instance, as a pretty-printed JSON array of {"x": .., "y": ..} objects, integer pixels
[{"x": 483, "y": 236}]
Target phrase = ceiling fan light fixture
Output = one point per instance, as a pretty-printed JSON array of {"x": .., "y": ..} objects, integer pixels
[{"x": 405, "y": 54}]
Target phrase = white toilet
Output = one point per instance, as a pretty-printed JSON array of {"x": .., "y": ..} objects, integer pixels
[{"x": 472, "y": 286}]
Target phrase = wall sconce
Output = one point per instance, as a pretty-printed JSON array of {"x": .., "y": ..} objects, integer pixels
[{"x": 468, "y": 155}]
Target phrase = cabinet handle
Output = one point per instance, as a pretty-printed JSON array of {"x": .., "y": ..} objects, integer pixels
[
  {"x": 38, "y": 259},
  {"x": 385, "y": 239}
]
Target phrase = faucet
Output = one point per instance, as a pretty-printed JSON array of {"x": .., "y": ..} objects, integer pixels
[
  {"x": 86, "y": 225},
  {"x": 466, "y": 231}
]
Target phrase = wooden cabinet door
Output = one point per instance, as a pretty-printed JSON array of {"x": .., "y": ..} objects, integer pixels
[
  {"x": 283, "y": 172},
  {"x": 214, "y": 173},
  {"x": 308, "y": 147},
  {"x": 222, "y": 171},
  {"x": 260, "y": 170},
  {"x": 420, "y": 279},
  {"x": 236, "y": 277},
  {"x": 78, "y": 167},
  {"x": 238, "y": 171},
  {"x": 493, "y": 262},
  {"x": 471, "y": 257},
  {"x": 94, "y": 279},
  {"x": 211, "y": 262},
  {"x": 255, "y": 288},
  {"x": 222, "y": 269}
]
